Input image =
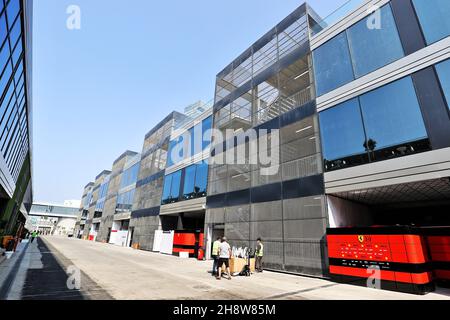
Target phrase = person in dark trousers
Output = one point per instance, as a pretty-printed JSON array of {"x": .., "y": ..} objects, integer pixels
[
  {"x": 215, "y": 256},
  {"x": 34, "y": 235},
  {"x": 259, "y": 255}
]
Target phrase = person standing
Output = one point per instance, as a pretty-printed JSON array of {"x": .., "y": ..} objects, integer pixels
[
  {"x": 259, "y": 255},
  {"x": 215, "y": 256},
  {"x": 33, "y": 236},
  {"x": 224, "y": 258}
]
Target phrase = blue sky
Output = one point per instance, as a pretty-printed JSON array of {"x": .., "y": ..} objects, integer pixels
[{"x": 98, "y": 90}]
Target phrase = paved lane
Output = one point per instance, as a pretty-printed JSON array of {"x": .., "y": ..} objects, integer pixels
[
  {"x": 41, "y": 274},
  {"x": 134, "y": 274}
]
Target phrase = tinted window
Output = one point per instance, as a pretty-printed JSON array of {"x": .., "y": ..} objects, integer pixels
[
  {"x": 170, "y": 161},
  {"x": 130, "y": 176},
  {"x": 374, "y": 48},
  {"x": 2, "y": 28},
  {"x": 332, "y": 64},
  {"x": 166, "y": 190},
  {"x": 206, "y": 125},
  {"x": 434, "y": 18},
  {"x": 392, "y": 115},
  {"x": 201, "y": 179},
  {"x": 342, "y": 131},
  {"x": 443, "y": 70},
  {"x": 189, "y": 181},
  {"x": 12, "y": 11},
  {"x": 175, "y": 187}
]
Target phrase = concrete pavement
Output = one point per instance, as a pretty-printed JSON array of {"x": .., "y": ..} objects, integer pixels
[
  {"x": 124, "y": 273},
  {"x": 39, "y": 272}
]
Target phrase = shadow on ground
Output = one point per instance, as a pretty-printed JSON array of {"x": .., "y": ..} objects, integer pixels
[{"x": 46, "y": 278}]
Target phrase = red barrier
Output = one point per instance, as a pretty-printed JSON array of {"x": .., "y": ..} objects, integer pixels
[
  {"x": 188, "y": 241},
  {"x": 438, "y": 240},
  {"x": 399, "y": 254}
]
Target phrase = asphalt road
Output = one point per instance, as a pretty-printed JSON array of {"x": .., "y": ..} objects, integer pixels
[{"x": 110, "y": 272}]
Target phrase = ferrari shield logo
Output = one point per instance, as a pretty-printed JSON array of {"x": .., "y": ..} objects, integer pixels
[{"x": 361, "y": 239}]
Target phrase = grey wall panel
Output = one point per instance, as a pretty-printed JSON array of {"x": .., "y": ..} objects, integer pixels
[
  {"x": 267, "y": 211},
  {"x": 267, "y": 230},
  {"x": 237, "y": 214},
  {"x": 304, "y": 208}
]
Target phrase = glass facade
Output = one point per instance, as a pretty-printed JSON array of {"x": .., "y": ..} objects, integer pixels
[
  {"x": 13, "y": 102},
  {"x": 129, "y": 176},
  {"x": 382, "y": 124},
  {"x": 186, "y": 184},
  {"x": 192, "y": 142},
  {"x": 332, "y": 64},
  {"x": 371, "y": 49},
  {"x": 356, "y": 52},
  {"x": 343, "y": 134},
  {"x": 125, "y": 201},
  {"x": 102, "y": 193},
  {"x": 443, "y": 70},
  {"x": 434, "y": 18}
]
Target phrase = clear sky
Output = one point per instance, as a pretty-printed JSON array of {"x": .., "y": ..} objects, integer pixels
[{"x": 98, "y": 90}]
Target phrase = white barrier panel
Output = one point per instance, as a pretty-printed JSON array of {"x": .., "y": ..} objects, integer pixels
[
  {"x": 167, "y": 242},
  {"x": 119, "y": 238},
  {"x": 157, "y": 241}
]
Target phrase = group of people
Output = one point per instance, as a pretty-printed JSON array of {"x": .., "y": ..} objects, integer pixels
[{"x": 221, "y": 253}]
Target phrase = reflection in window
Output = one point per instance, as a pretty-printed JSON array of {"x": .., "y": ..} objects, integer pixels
[
  {"x": 175, "y": 187},
  {"x": 206, "y": 125},
  {"x": 443, "y": 70},
  {"x": 129, "y": 176},
  {"x": 125, "y": 201},
  {"x": 392, "y": 115},
  {"x": 201, "y": 179},
  {"x": 391, "y": 126},
  {"x": 190, "y": 143},
  {"x": 166, "y": 190},
  {"x": 434, "y": 18},
  {"x": 342, "y": 136},
  {"x": 189, "y": 181},
  {"x": 371, "y": 49},
  {"x": 332, "y": 64}
]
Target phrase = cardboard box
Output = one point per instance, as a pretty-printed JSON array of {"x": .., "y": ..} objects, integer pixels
[{"x": 238, "y": 264}]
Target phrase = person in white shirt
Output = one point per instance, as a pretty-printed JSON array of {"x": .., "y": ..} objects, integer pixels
[{"x": 224, "y": 258}]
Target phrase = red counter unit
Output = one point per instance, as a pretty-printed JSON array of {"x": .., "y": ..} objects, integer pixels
[
  {"x": 188, "y": 241},
  {"x": 399, "y": 253},
  {"x": 438, "y": 240}
]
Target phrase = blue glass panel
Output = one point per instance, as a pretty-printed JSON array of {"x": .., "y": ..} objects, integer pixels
[
  {"x": 166, "y": 189},
  {"x": 392, "y": 115},
  {"x": 5, "y": 77},
  {"x": 189, "y": 182},
  {"x": 443, "y": 70},
  {"x": 3, "y": 29},
  {"x": 342, "y": 131},
  {"x": 4, "y": 55},
  {"x": 332, "y": 64},
  {"x": 371, "y": 49},
  {"x": 175, "y": 187},
  {"x": 15, "y": 32},
  {"x": 17, "y": 53},
  {"x": 12, "y": 11},
  {"x": 206, "y": 125},
  {"x": 201, "y": 179},
  {"x": 190, "y": 144},
  {"x": 434, "y": 18}
]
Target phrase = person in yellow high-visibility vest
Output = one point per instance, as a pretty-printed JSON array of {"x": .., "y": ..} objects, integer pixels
[
  {"x": 259, "y": 255},
  {"x": 215, "y": 255}
]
